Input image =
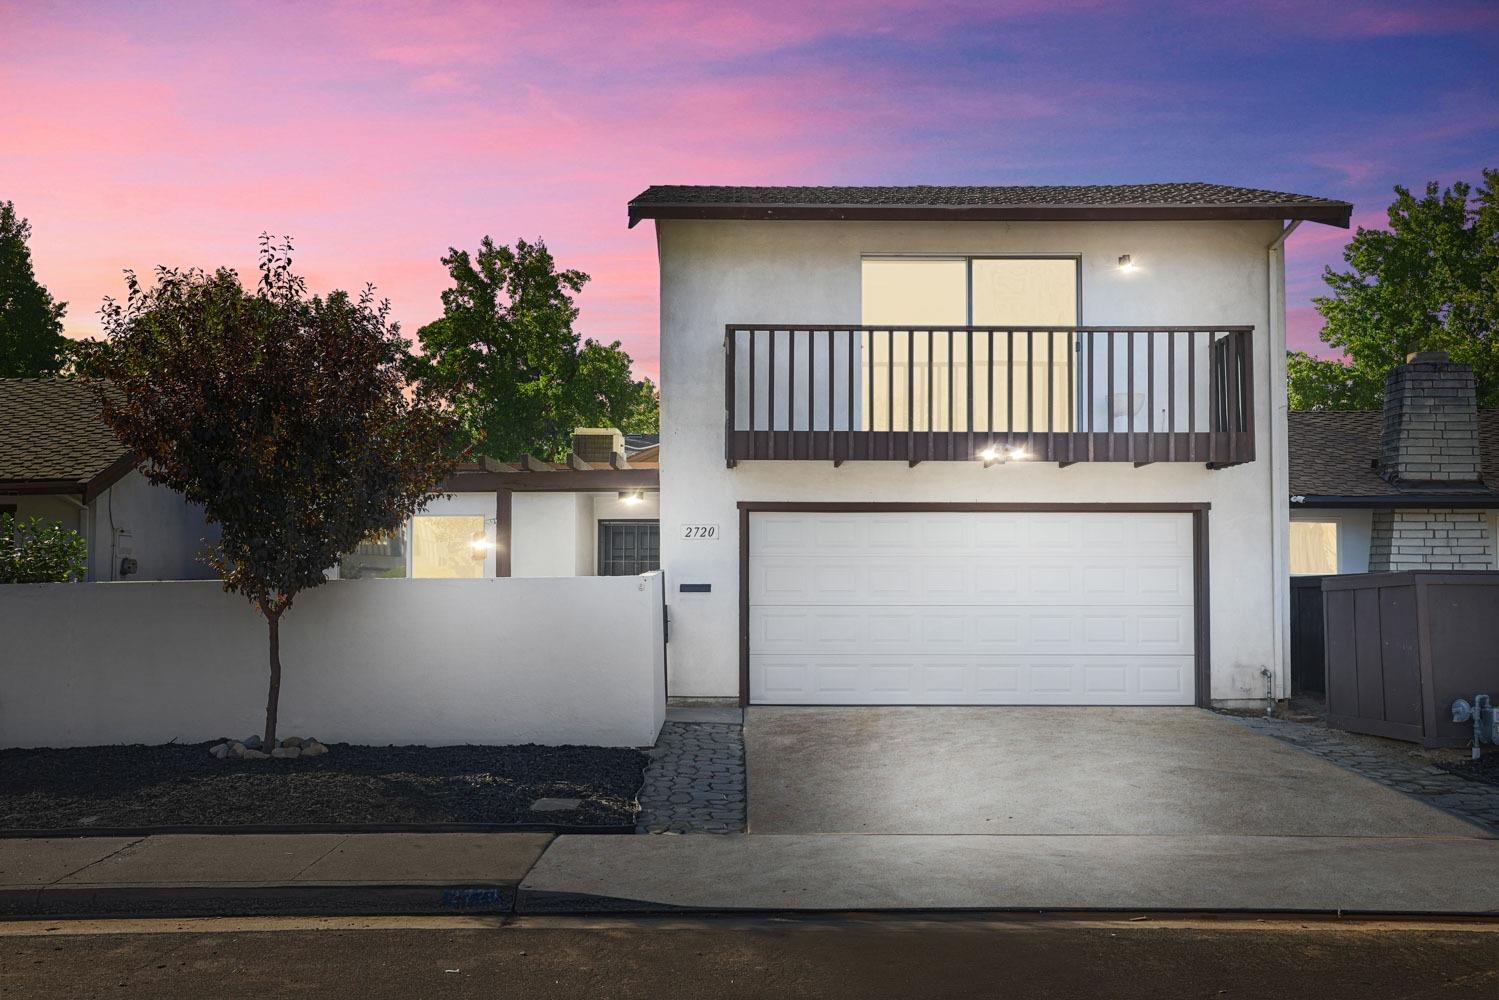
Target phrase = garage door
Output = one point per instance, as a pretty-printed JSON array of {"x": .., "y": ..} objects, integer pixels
[{"x": 971, "y": 608}]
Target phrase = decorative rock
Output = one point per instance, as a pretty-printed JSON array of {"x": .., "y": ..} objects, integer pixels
[
  {"x": 253, "y": 755},
  {"x": 221, "y": 751},
  {"x": 292, "y": 741},
  {"x": 286, "y": 752},
  {"x": 555, "y": 805},
  {"x": 237, "y": 749},
  {"x": 313, "y": 748},
  {"x": 254, "y": 743}
]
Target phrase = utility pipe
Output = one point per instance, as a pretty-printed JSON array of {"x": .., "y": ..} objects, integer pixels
[{"x": 1275, "y": 295}]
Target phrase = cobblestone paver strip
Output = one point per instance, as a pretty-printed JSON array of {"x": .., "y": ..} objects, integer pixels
[
  {"x": 1388, "y": 764},
  {"x": 695, "y": 781}
]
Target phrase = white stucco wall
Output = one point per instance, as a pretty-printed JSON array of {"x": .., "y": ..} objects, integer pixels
[
  {"x": 166, "y": 535},
  {"x": 544, "y": 533},
  {"x": 557, "y": 534},
  {"x": 718, "y": 272},
  {"x": 433, "y": 662}
]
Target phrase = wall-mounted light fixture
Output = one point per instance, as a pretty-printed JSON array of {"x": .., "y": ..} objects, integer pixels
[
  {"x": 1126, "y": 264},
  {"x": 631, "y": 497},
  {"x": 995, "y": 454}
]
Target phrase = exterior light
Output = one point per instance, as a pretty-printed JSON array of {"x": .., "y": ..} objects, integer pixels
[
  {"x": 631, "y": 497},
  {"x": 989, "y": 454},
  {"x": 1125, "y": 263},
  {"x": 1019, "y": 454}
]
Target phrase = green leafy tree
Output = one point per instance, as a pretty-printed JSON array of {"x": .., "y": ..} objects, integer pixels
[
  {"x": 31, "y": 340},
  {"x": 1429, "y": 283},
  {"x": 39, "y": 551},
  {"x": 288, "y": 417},
  {"x": 506, "y": 353},
  {"x": 1314, "y": 383}
]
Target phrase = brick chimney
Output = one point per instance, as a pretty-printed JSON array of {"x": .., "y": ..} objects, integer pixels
[
  {"x": 1430, "y": 444},
  {"x": 1430, "y": 423}
]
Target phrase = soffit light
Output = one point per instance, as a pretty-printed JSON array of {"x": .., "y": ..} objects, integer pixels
[{"x": 996, "y": 454}]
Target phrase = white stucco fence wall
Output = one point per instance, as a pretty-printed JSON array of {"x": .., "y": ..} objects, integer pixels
[{"x": 436, "y": 662}]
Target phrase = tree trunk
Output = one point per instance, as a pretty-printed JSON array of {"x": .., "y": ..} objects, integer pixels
[{"x": 274, "y": 622}]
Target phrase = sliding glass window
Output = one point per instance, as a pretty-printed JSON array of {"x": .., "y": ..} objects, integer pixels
[{"x": 923, "y": 379}]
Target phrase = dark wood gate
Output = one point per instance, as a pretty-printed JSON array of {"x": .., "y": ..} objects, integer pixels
[{"x": 1308, "y": 652}]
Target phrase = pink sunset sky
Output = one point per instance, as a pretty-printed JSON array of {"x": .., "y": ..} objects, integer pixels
[{"x": 380, "y": 134}]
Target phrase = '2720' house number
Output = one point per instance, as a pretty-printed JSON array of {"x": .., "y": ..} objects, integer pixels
[{"x": 700, "y": 532}]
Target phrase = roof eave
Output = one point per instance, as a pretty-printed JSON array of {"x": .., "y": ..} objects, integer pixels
[
  {"x": 41, "y": 487},
  {"x": 1337, "y": 214},
  {"x": 1454, "y": 501}
]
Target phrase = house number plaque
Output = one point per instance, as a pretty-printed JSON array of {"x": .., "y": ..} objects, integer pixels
[{"x": 700, "y": 532}]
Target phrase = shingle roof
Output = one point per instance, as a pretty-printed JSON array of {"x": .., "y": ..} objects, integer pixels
[
  {"x": 50, "y": 430},
  {"x": 1331, "y": 454},
  {"x": 1184, "y": 200}
]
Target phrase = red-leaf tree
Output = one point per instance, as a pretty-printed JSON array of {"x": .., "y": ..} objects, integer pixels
[{"x": 287, "y": 417}]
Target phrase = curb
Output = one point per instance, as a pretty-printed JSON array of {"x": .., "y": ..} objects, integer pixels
[
  {"x": 74, "y": 832},
  {"x": 257, "y": 900}
]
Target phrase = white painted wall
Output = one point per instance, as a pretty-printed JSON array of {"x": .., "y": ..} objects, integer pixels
[
  {"x": 167, "y": 536},
  {"x": 557, "y": 534},
  {"x": 544, "y": 533},
  {"x": 434, "y": 662},
  {"x": 718, "y": 272}
]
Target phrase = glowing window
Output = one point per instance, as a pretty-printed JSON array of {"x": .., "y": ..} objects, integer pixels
[
  {"x": 1314, "y": 547},
  {"x": 448, "y": 547}
]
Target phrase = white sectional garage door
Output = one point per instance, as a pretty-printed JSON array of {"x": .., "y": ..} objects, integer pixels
[{"x": 971, "y": 608}]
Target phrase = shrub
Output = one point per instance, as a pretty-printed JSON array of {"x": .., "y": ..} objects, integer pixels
[{"x": 39, "y": 551}]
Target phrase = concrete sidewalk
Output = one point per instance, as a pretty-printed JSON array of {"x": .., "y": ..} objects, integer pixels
[
  {"x": 445, "y": 873},
  {"x": 242, "y": 874}
]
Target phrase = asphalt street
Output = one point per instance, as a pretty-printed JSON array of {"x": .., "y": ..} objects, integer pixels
[{"x": 1112, "y": 956}]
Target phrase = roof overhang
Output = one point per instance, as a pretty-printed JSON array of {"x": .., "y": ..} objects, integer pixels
[
  {"x": 1333, "y": 214},
  {"x": 557, "y": 481},
  {"x": 1452, "y": 501},
  {"x": 88, "y": 490}
]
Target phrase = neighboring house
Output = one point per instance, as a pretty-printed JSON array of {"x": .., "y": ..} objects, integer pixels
[
  {"x": 1408, "y": 487},
  {"x": 975, "y": 445},
  {"x": 595, "y": 514},
  {"x": 60, "y": 461}
]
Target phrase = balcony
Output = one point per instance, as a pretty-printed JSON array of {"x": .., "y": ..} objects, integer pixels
[{"x": 989, "y": 394}]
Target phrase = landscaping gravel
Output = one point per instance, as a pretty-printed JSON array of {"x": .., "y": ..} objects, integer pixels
[
  {"x": 183, "y": 785},
  {"x": 1485, "y": 768}
]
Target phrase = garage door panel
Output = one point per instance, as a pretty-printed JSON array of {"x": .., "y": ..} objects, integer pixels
[
  {"x": 877, "y": 535},
  {"x": 913, "y": 629},
  {"x": 935, "y": 679},
  {"x": 971, "y": 608},
  {"x": 1004, "y": 579}
]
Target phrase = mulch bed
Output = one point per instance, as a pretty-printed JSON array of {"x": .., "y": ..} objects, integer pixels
[{"x": 183, "y": 785}]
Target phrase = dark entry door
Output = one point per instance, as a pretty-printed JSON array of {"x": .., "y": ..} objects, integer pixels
[{"x": 629, "y": 548}]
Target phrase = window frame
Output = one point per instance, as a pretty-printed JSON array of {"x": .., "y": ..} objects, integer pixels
[
  {"x": 968, "y": 259},
  {"x": 1337, "y": 541}
]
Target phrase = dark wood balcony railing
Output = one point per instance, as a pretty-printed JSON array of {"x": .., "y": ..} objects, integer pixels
[{"x": 978, "y": 393}]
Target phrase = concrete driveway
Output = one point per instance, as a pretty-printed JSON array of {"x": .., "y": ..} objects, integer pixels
[{"x": 1055, "y": 771}]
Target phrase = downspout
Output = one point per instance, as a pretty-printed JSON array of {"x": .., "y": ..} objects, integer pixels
[{"x": 1275, "y": 295}]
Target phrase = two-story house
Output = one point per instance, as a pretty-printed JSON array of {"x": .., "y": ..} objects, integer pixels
[{"x": 975, "y": 445}]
